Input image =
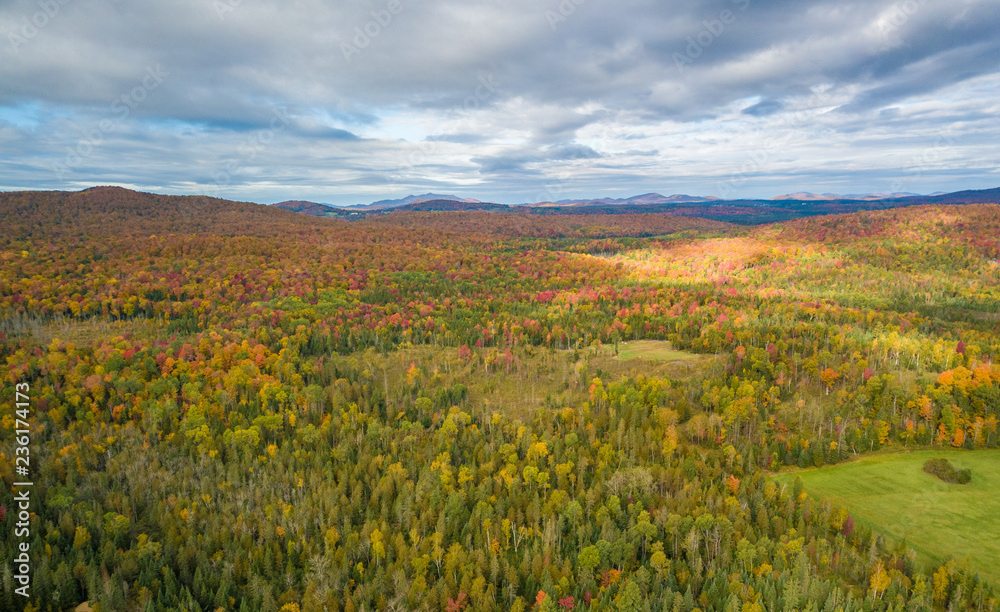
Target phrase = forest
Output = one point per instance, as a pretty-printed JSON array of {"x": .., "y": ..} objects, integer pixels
[{"x": 235, "y": 407}]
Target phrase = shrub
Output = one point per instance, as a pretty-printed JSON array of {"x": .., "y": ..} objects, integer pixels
[{"x": 943, "y": 469}]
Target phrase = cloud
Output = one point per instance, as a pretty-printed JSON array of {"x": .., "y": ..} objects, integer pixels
[
  {"x": 457, "y": 138},
  {"x": 764, "y": 108},
  {"x": 572, "y": 151},
  {"x": 495, "y": 99}
]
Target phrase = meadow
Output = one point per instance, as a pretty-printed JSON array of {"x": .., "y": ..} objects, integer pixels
[{"x": 891, "y": 494}]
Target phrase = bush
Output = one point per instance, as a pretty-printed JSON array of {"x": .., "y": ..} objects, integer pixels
[{"x": 943, "y": 469}]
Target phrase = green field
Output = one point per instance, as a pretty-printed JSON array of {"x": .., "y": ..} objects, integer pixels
[
  {"x": 653, "y": 358},
  {"x": 655, "y": 350},
  {"x": 891, "y": 494}
]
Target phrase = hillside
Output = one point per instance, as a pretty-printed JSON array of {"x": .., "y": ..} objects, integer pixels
[
  {"x": 972, "y": 196},
  {"x": 306, "y": 208},
  {"x": 523, "y": 224},
  {"x": 114, "y": 211},
  {"x": 240, "y": 407},
  {"x": 453, "y": 205}
]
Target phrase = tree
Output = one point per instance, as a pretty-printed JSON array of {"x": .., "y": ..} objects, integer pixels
[
  {"x": 829, "y": 376},
  {"x": 848, "y": 527},
  {"x": 745, "y": 552},
  {"x": 630, "y": 599},
  {"x": 879, "y": 581},
  {"x": 643, "y": 530},
  {"x": 941, "y": 581},
  {"x": 458, "y": 604},
  {"x": 589, "y": 558}
]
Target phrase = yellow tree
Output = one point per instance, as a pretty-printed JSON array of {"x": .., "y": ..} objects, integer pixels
[
  {"x": 879, "y": 581},
  {"x": 941, "y": 579},
  {"x": 670, "y": 441},
  {"x": 378, "y": 547}
]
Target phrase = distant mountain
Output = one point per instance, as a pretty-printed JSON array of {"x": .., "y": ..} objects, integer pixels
[
  {"x": 410, "y": 199},
  {"x": 385, "y": 206},
  {"x": 806, "y": 196},
  {"x": 780, "y": 208},
  {"x": 307, "y": 208},
  {"x": 453, "y": 205},
  {"x": 971, "y": 196},
  {"x": 646, "y": 198}
]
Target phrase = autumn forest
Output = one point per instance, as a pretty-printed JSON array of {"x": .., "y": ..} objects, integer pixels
[{"x": 236, "y": 407}]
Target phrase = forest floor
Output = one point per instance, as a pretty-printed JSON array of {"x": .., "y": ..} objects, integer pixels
[{"x": 891, "y": 494}]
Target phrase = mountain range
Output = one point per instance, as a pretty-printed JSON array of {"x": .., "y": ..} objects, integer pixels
[
  {"x": 780, "y": 208},
  {"x": 646, "y": 198},
  {"x": 412, "y": 199},
  {"x": 320, "y": 209},
  {"x": 808, "y": 196}
]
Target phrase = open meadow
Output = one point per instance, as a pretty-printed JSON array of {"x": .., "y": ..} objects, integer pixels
[{"x": 891, "y": 494}]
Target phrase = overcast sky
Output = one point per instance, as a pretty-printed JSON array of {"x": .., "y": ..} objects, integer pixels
[{"x": 505, "y": 100}]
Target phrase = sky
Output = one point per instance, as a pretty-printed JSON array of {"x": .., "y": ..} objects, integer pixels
[{"x": 511, "y": 101}]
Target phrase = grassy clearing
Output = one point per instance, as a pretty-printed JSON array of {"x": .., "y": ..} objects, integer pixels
[
  {"x": 656, "y": 358},
  {"x": 655, "y": 350},
  {"x": 516, "y": 389},
  {"x": 891, "y": 494},
  {"x": 533, "y": 375},
  {"x": 650, "y": 358}
]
